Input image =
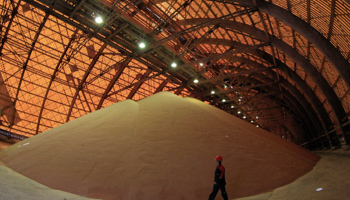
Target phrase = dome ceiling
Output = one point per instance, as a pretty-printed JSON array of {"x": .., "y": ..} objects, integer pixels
[{"x": 283, "y": 65}]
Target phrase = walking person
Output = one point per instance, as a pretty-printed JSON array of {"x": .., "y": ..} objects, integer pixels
[{"x": 219, "y": 181}]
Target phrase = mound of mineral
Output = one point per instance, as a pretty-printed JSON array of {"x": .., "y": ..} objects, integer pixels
[{"x": 162, "y": 147}]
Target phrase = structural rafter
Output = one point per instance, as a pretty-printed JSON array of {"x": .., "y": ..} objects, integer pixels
[{"x": 277, "y": 64}]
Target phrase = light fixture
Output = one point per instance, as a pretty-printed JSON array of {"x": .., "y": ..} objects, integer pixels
[
  {"x": 319, "y": 189},
  {"x": 195, "y": 81},
  {"x": 224, "y": 100},
  {"x": 244, "y": 117},
  {"x": 173, "y": 64},
  {"x": 257, "y": 117},
  {"x": 212, "y": 92},
  {"x": 239, "y": 99},
  {"x": 142, "y": 45},
  {"x": 232, "y": 106},
  {"x": 201, "y": 64},
  {"x": 257, "y": 125},
  {"x": 251, "y": 121},
  {"x": 225, "y": 86},
  {"x": 239, "y": 112},
  {"x": 98, "y": 20}
]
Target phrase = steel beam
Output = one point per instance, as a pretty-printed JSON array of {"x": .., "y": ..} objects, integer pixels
[
  {"x": 313, "y": 113},
  {"x": 13, "y": 14},
  {"x": 123, "y": 65},
  {"x": 306, "y": 30},
  {"x": 83, "y": 80},
  {"x": 139, "y": 84},
  {"x": 200, "y": 25},
  {"x": 162, "y": 85},
  {"x": 87, "y": 27},
  {"x": 286, "y": 70},
  {"x": 37, "y": 34},
  {"x": 295, "y": 56},
  {"x": 231, "y": 75},
  {"x": 317, "y": 105},
  {"x": 76, "y": 8},
  {"x": 53, "y": 78},
  {"x": 296, "y": 98},
  {"x": 234, "y": 88}
]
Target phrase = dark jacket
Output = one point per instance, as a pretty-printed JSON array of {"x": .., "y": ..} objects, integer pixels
[{"x": 220, "y": 175}]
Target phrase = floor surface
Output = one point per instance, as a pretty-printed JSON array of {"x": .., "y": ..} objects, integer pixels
[{"x": 331, "y": 174}]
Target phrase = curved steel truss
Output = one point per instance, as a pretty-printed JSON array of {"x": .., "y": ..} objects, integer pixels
[{"x": 282, "y": 65}]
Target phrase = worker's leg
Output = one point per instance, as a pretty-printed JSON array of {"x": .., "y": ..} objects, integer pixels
[
  {"x": 215, "y": 191},
  {"x": 223, "y": 192}
]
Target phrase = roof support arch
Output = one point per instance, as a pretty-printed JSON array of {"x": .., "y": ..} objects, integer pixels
[
  {"x": 53, "y": 78},
  {"x": 83, "y": 80},
  {"x": 121, "y": 68},
  {"x": 306, "y": 30},
  {"x": 298, "y": 106},
  {"x": 289, "y": 101},
  {"x": 139, "y": 84},
  {"x": 318, "y": 79},
  {"x": 25, "y": 64},
  {"x": 13, "y": 14},
  {"x": 286, "y": 70},
  {"x": 162, "y": 85},
  {"x": 311, "y": 113}
]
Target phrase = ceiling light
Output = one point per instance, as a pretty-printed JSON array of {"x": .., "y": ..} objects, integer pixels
[
  {"x": 257, "y": 125},
  {"x": 239, "y": 112},
  {"x": 251, "y": 121},
  {"x": 257, "y": 117},
  {"x": 319, "y": 189},
  {"x": 142, "y": 45},
  {"x": 239, "y": 99},
  {"x": 212, "y": 92},
  {"x": 232, "y": 106},
  {"x": 98, "y": 20},
  {"x": 173, "y": 64},
  {"x": 224, "y": 100},
  {"x": 201, "y": 64},
  {"x": 195, "y": 81},
  {"x": 244, "y": 117}
]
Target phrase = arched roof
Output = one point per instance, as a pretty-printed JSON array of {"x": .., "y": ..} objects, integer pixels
[{"x": 280, "y": 64}]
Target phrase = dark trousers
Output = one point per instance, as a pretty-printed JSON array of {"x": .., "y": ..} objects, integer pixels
[{"x": 215, "y": 191}]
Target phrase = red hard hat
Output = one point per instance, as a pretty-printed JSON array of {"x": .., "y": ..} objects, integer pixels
[{"x": 218, "y": 158}]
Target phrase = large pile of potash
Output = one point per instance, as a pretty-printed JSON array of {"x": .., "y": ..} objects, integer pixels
[{"x": 161, "y": 147}]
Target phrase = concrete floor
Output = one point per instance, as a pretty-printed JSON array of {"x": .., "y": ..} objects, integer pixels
[{"x": 332, "y": 173}]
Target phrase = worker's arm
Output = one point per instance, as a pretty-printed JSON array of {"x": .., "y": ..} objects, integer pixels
[{"x": 222, "y": 169}]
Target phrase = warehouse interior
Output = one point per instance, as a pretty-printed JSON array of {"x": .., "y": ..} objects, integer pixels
[{"x": 280, "y": 65}]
